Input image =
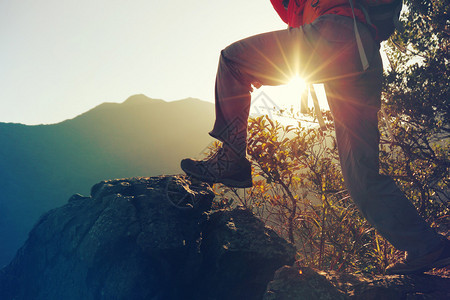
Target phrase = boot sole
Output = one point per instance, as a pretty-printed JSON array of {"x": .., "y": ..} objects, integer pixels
[
  {"x": 438, "y": 264},
  {"x": 236, "y": 184},
  {"x": 226, "y": 181},
  {"x": 441, "y": 263}
]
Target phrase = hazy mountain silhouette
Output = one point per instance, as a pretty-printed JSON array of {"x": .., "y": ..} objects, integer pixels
[{"x": 44, "y": 164}]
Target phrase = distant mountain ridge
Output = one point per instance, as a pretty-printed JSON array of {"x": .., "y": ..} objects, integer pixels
[{"x": 43, "y": 164}]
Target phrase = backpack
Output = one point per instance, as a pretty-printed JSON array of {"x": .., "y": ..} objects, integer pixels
[{"x": 383, "y": 14}]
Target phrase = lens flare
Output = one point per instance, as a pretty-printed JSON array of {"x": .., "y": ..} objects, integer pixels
[{"x": 297, "y": 83}]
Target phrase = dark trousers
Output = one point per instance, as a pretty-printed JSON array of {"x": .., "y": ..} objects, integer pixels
[{"x": 326, "y": 52}]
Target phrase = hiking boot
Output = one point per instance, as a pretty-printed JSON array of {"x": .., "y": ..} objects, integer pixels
[
  {"x": 222, "y": 167},
  {"x": 437, "y": 259}
]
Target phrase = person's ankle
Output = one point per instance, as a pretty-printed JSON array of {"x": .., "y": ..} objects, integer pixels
[{"x": 233, "y": 153}]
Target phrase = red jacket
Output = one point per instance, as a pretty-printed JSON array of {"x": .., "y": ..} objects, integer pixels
[{"x": 300, "y": 12}]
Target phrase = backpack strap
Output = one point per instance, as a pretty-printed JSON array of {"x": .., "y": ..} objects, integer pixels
[
  {"x": 311, "y": 90},
  {"x": 362, "y": 53},
  {"x": 319, "y": 115}
]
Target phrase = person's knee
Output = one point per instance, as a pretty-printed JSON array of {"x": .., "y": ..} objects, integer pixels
[
  {"x": 231, "y": 51},
  {"x": 224, "y": 58}
]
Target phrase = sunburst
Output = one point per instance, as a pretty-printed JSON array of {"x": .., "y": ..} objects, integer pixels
[{"x": 288, "y": 98}]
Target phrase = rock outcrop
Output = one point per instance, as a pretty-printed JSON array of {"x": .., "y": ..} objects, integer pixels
[
  {"x": 145, "y": 238},
  {"x": 296, "y": 282},
  {"x": 158, "y": 238}
]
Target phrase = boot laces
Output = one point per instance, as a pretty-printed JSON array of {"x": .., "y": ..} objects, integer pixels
[{"x": 219, "y": 162}]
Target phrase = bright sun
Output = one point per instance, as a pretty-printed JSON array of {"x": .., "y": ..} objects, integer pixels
[
  {"x": 297, "y": 83},
  {"x": 285, "y": 96}
]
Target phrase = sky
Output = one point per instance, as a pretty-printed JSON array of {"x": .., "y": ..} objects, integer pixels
[{"x": 59, "y": 59}]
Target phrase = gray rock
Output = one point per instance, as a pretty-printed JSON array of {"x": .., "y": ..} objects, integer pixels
[
  {"x": 240, "y": 256},
  {"x": 295, "y": 282},
  {"x": 145, "y": 238}
]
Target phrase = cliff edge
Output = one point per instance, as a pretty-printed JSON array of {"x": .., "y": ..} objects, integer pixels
[
  {"x": 145, "y": 238},
  {"x": 158, "y": 238}
]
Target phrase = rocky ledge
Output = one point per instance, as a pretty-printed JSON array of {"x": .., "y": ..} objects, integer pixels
[
  {"x": 157, "y": 238},
  {"x": 145, "y": 238}
]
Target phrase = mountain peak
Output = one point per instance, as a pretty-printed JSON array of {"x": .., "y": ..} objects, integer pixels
[{"x": 141, "y": 98}]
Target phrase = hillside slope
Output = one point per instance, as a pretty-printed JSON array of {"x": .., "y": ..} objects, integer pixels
[{"x": 42, "y": 165}]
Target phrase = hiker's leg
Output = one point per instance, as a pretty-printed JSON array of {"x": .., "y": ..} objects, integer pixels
[
  {"x": 267, "y": 59},
  {"x": 316, "y": 52},
  {"x": 354, "y": 103}
]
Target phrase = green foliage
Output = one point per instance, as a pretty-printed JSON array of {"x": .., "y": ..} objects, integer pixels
[
  {"x": 299, "y": 191},
  {"x": 417, "y": 102}
]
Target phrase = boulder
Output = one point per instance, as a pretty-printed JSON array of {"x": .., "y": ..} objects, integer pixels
[
  {"x": 295, "y": 282},
  {"x": 145, "y": 238}
]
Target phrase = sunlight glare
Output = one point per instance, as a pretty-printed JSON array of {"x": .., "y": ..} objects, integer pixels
[
  {"x": 286, "y": 97},
  {"x": 297, "y": 84}
]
